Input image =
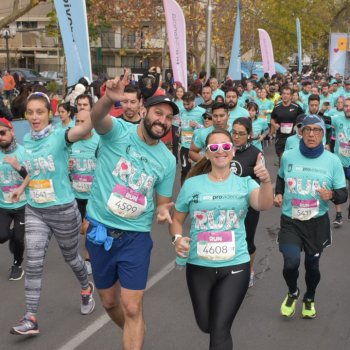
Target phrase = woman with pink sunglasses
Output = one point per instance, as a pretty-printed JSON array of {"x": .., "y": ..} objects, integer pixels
[{"x": 217, "y": 258}]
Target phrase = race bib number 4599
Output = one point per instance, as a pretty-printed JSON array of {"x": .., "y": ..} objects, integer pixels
[{"x": 126, "y": 202}]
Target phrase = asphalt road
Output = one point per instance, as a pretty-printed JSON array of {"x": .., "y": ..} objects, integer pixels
[{"x": 168, "y": 312}]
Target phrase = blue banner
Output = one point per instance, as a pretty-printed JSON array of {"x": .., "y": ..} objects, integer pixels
[
  {"x": 300, "y": 51},
  {"x": 75, "y": 36},
  {"x": 234, "y": 70}
]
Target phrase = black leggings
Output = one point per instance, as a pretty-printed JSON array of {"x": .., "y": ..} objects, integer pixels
[
  {"x": 291, "y": 256},
  {"x": 216, "y": 295},
  {"x": 251, "y": 222},
  {"x": 82, "y": 203},
  {"x": 174, "y": 132},
  {"x": 185, "y": 163},
  {"x": 16, "y": 236}
]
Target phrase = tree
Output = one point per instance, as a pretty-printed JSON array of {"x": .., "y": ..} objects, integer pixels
[{"x": 18, "y": 11}]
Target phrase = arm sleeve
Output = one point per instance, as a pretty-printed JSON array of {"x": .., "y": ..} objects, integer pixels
[
  {"x": 340, "y": 196},
  {"x": 279, "y": 185}
]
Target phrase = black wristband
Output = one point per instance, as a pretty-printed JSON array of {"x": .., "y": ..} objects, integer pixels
[{"x": 22, "y": 172}]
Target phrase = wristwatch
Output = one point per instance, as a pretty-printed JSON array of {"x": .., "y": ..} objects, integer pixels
[{"x": 175, "y": 238}]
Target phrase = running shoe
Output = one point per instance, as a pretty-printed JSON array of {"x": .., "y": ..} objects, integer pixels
[
  {"x": 27, "y": 325},
  {"x": 88, "y": 267},
  {"x": 338, "y": 221},
  {"x": 87, "y": 301},
  {"x": 289, "y": 303},
  {"x": 16, "y": 273},
  {"x": 251, "y": 280},
  {"x": 308, "y": 311}
]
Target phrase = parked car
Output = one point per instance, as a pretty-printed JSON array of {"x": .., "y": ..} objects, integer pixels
[
  {"x": 30, "y": 76},
  {"x": 52, "y": 75}
]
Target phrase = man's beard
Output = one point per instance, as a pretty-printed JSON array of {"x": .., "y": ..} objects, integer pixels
[
  {"x": 232, "y": 105},
  {"x": 148, "y": 127},
  {"x": 5, "y": 145}
]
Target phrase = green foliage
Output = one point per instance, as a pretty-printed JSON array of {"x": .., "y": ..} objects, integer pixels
[{"x": 52, "y": 86}]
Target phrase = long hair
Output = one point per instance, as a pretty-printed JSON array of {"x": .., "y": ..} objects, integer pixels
[{"x": 204, "y": 165}]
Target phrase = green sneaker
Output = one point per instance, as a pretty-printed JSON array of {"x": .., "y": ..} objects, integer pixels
[
  {"x": 308, "y": 311},
  {"x": 288, "y": 305}
]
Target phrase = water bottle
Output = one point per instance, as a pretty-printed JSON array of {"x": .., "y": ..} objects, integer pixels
[{"x": 180, "y": 262}]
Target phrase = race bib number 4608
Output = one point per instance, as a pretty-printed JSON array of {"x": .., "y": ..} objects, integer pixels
[{"x": 216, "y": 245}]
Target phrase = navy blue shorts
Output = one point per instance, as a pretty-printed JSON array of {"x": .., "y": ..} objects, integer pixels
[{"x": 127, "y": 261}]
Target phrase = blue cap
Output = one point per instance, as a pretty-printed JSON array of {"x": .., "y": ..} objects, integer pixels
[{"x": 313, "y": 119}]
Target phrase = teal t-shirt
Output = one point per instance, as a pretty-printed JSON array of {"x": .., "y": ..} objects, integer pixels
[
  {"x": 265, "y": 108},
  {"x": 47, "y": 164},
  {"x": 259, "y": 127},
  {"x": 235, "y": 113},
  {"x": 292, "y": 142},
  {"x": 303, "y": 177},
  {"x": 176, "y": 120},
  {"x": 217, "y": 211},
  {"x": 127, "y": 172},
  {"x": 196, "y": 115},
  {"x": 70, "y": 125},
  {"x": 83, "y": 158},
  {"x": 10, "y": 179},
  {"x": 218, "y": 92},
  {"x": 249, "y": 95},
  {"x": 341, "y": 126}
]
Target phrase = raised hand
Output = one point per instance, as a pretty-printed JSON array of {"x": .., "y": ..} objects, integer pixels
[
  {"x": 115, "y": 87},
  {"x": 260, "y": 170}
]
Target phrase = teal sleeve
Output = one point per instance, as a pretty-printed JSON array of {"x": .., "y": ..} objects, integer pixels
[{"x": 182, "y": 203}]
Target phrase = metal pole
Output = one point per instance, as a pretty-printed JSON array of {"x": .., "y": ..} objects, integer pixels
[
  {"x": 7, "y": 51},
  {"x": 208, "y": 43}
]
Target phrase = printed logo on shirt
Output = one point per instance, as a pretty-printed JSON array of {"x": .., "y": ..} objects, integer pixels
[
  {"x": 217, "y": 219},
  {"x": 295, "y": 185},
  {"x": 136, "y": 179},
  {"x": 40, "y": 165}
]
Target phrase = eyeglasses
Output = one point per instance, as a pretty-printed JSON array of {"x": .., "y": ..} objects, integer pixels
[
  {"x": 308, "y": 130},
  {"x": 207, "y": 117},
  {"x": 3, "y": 132},
  {"x": 214, "y": 147},
  {"x": 240, "y": 134}
]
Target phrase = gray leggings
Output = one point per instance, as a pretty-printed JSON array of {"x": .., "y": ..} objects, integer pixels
[{"x": 64, "y": 222}]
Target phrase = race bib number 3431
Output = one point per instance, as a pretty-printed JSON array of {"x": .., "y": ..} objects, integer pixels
[
  {"x": 126, "y": 202},
  {"x": 216, "y": 245}
]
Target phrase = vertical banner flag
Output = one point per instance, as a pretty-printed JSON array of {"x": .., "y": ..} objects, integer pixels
[
  {"x": 337, "y": 53},
  {"x": 234, "y": 70},
  {"x": 267, "y": 52},
  {"x": 72, "y": 20},
  {"x": 300, "y": 51},
  {"x": 176, "y": 31}
]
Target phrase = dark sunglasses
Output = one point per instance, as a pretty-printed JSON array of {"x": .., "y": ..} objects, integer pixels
[
  {"x": 207, "y": 117},
  {"x": 214, "y": 147}
]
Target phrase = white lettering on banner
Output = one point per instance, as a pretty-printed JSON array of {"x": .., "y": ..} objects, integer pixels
[
  {"x": 227, "y": 219},
  {"x": 295, "y": 185},
  {"x": 40, "y": 165},
  {"x": 135, "y": 179}
]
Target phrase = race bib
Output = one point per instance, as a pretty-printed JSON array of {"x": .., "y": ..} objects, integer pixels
[
  {"x": 264, "y": 117},
  {"x": 126, "y": 202},
  {"x": 82, "y": 183},
  {"x": 42, "y": 191},
  {"x": 7, "y": 193},
  {"x": 286, "y": 128},
  {"x": 186, "y": 136},
  {"x": 304, "y": 209},
  {"x": 344, "y": 149},
  {"x": 216, "y": 245}
]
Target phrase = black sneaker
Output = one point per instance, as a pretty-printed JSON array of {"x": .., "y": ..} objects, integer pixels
[
  {"x": 16, "y": 273},
  {"x": 338, "y": 221}
]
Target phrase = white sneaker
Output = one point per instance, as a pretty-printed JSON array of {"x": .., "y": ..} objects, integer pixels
[
  {"x": 88, "y": 267},
  {"x": 251, "y": 280}
]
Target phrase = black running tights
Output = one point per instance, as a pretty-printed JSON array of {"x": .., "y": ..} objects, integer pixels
[{"x": 216, "y": 295}]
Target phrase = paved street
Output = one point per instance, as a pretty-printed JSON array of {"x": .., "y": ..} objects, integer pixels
[{"x": 168, "y": 312}]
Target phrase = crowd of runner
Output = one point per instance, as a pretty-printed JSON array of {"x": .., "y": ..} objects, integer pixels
[{"x": 106, "y": 170}]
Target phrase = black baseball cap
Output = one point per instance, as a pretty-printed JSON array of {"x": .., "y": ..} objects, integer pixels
[{"x": 157, "y": 100}]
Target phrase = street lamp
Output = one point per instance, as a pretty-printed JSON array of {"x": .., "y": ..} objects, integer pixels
[{"x": 7, "y": 34}]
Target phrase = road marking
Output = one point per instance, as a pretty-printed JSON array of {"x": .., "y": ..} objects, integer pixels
[{"x": 95, "y": 326}]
